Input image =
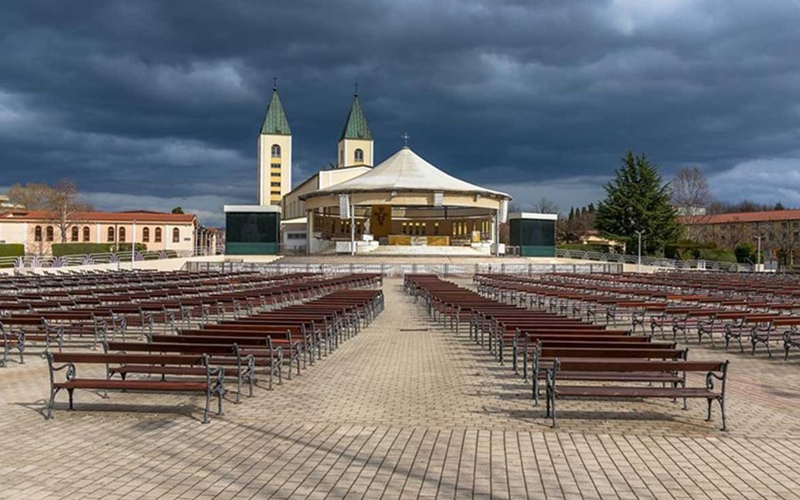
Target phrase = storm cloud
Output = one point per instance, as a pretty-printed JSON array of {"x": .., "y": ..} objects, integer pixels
[{"x": 152, "y": 104}]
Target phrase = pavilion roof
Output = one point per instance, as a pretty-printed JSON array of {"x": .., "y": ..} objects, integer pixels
[{"x": 406, "y": 171}]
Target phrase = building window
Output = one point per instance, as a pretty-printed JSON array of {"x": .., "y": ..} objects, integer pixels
[
  {"x": 276, "y": 192},
  {"x": 275, "y": 184},
  {"x": 49, "y": 233},
  {"x": 436, "y": 228},
  {"x": 37, "y": 233},
  {"x": 359, "y": 156},
  {"x": 122, "y": 235},
  {"x": 176, "y": 235},
  {"x": 111, "y": 234},
  {"x": 276, "y": 174},
  {"x": 75, "y": 233},
  {"x": 276, "y": 151},
  {"x": 158, "y": 235},
  {"x": 146, "y": 234},
  {"x": 86, "y": 233}
]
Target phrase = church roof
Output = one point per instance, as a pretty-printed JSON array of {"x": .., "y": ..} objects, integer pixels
[
  {"x": 406, "y": 171},
  {"x": 275, "y": 123},
  {"x": 356, "y": 126}
]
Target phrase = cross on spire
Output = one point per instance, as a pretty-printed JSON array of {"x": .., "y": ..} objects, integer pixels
[
  {"x": 405, "y": 138},
  {"x": 275, "y": 83},
  {"x": 356, "y": 92}
]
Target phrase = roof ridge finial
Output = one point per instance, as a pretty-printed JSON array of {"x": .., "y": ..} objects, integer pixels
[
  {"x": 355, "y": 94},
  {"x": 274, "y": 83},
  {"x": 405, "y": 138}
]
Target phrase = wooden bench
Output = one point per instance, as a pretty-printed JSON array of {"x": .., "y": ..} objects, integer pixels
[
  {"x": 713, "y": 371},
  {"x": 545, "y": 353},
  {"x": 239, "y": 363},
  {"x": 210, "y": 385}
]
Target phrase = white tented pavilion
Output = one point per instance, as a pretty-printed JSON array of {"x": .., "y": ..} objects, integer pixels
[{"x": 405, "y": 200}]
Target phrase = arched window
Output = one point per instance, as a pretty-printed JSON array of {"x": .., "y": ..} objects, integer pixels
[
  {"x": 86, "y": 233},
  {"x": 111, "y": 234},
  {"x": 122, "y": 235},
  {"x": 359, "y": 156},
  {"x": 49, "y": 233},
  {"x": 176, "y": 235},
  {"x": 75, "y": 233},
  {"x": 276, "y": 151},
  {"x": 146, "y": 234},
  {"x": 37, "y": 233},
  {"x": 158, "y": 235}
]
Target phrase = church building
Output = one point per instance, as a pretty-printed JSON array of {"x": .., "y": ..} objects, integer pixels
[{"x": 359, "y": 207}]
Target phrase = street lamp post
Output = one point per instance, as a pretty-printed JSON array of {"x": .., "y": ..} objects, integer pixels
[
  {"x": 758, "y": 252},
  {"x": 639, "y": 260},
  {"x": 133, "y": 246}
]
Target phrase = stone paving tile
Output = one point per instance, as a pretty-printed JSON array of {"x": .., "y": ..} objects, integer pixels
[{"x": 403, "y": 410}]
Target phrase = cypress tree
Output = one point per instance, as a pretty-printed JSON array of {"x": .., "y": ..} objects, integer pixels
[{"x": 637, "y": 199}]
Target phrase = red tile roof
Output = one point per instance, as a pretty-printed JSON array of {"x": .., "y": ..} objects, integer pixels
[
  {"x": 138, "y": 216},
  {"x": 768, "y": 216}
]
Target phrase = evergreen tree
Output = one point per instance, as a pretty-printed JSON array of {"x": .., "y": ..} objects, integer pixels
[
  {"x": 779, "y": 206},
  {"x": 638, "y": 200},
  {"x": 571, "y": 213},
  {"x": 591, "y": 208}
]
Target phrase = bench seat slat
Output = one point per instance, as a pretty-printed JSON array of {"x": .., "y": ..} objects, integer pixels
[
  {"x": 635, "y": 392},
  {"x": 133, "y": 385}
]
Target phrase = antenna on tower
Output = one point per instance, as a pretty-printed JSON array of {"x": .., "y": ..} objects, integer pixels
[
  {"x": 405, "y": 138},
  {"x": 275, "y": 84},
  {"x": 356, "y": 92}
]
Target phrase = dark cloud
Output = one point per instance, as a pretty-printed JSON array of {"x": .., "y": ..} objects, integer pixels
[{"x": 153, "y": 102}]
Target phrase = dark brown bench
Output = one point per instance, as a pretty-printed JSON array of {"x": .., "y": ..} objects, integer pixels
[
  {"x": 713, "y": 370},
  {"x": 545, "y": 353},
  {"x": 210, "y": 385},
  {"x": 238, "y": 363}
]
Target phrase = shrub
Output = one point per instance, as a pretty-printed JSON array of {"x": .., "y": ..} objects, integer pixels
[
  {"x": 61, "y": 249},
  {"x": 583, "y": 248},
  {"x": 12, "y": 250},
  {"x": 746, "y": 254},
  {"x": 716, "y": 254},
  {"x": 686, "y": 250}
]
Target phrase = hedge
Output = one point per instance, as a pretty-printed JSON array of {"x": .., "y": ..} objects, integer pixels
[
  {"x": 61, "y": 249},
  {"x": 12, "y": 250},
  {"x": 583, "y": 248}
]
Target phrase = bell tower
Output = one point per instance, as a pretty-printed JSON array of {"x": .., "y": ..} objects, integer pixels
[
  {"x": 356, "y": 146},
  {"x": 274, "y": 153}
]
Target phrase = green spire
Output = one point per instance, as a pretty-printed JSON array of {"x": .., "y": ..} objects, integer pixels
[
  {"x": 275, "y": 122},
  {"x": 356, "y": 126}
]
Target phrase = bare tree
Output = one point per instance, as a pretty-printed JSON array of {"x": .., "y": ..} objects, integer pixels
[
  {"x": 65, "y": 204},
  {"x": 61, "y": 201},
  {"x": 32, "y": 196},
  {"x": 545, "y": 206},
  {"x": 691, "y": 196}
]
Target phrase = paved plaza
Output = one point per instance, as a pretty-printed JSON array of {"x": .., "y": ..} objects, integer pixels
[{"x": 406, "y": 409}]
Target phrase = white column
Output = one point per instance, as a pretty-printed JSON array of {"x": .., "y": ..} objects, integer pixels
[{"x": 309, "y": 230}]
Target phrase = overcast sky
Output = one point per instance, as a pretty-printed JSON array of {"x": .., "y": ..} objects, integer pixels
[{"x": 152, "y": 104}]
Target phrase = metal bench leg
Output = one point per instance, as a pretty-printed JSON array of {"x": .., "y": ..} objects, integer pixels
[
  {"x": 208, "y": 404},
  {"x": 71, "y": 391},
  {"x": 49, "y": 414}
]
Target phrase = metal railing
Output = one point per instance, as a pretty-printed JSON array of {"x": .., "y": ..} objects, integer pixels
[
  {"x": 398, "y": 270},
  {"x": 50, "y": 261},
  {"x": 664, "y": 263}
]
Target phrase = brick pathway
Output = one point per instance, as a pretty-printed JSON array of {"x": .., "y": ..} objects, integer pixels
[{"x": 404, "y": 410}]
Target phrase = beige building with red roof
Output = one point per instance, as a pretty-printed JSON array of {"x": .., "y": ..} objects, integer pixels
[
  {"x": 779, "y": 230},
  {"x": 39, "y": 230}
]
